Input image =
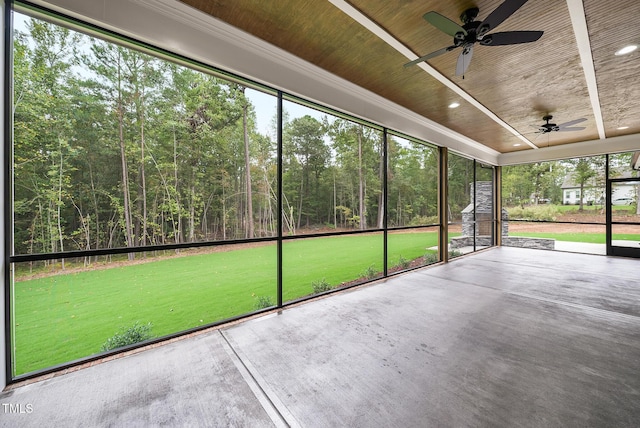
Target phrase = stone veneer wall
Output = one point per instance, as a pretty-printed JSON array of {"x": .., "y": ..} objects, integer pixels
[
  {"x": 484, "y": 210},
  {"x": 484, "y": 204},
  {"x": 524, "y": 242}
]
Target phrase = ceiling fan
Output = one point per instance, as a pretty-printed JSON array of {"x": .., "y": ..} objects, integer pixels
[
  {"x": 473, "y": 31},
  {"x": 563, "y": 127}
]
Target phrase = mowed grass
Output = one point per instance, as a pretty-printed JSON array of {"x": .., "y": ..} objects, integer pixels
[{"x": 64, "y": 317}]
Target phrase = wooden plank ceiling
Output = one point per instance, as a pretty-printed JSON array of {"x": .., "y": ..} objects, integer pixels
[{"x": 516, "y": 84}]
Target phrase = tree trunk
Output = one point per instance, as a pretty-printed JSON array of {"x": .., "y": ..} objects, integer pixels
[
  {"x": 143, "y": 180},
  {"x": 123, "y": 161},
  {"x": 581, "y": 197},
  {"x": 176, "y": 228},
  {"x": 381, "y": 175},
  {"x": 300, "y": 204},
  {"x": 335, "y": 205},
  {"x": 95, "y": 207},
  {"x": 247, "y": 168},
  {"x": 361, "y": 205},
  {"x": 192, "y": 212},
  {"x": 60, "y": 234}
]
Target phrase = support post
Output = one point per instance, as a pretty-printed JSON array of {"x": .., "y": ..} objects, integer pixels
[{"x": 443, "y": 201}]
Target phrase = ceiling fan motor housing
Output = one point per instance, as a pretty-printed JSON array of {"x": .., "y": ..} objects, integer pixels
[
  {"x": 460, "y": 38},
  {"x": 469, "y": 15},
  {"x": 549, "y": 127}
]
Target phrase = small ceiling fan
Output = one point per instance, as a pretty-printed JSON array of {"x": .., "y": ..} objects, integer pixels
[
  {"x": 563, "y": 127},
  {"x": 465, "y": 36}
]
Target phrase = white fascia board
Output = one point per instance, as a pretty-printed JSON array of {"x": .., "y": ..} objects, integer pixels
[
  {"x": 579, "y": 22},
  {"x": 178, "y": 28},
  {"x": 625, "y": 143}
]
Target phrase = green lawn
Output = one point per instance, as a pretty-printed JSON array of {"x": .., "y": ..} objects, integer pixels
[{"x": 64, "y": 317}]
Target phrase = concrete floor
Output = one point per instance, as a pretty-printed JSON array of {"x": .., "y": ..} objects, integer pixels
[{"x": 505, "y": 338}]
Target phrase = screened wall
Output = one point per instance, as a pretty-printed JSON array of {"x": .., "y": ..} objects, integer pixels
[
  {"x": 152, "y": 196},
  {"x": 562, "y": 205}
]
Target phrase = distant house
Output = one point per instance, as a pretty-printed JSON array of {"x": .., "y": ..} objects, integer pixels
[{"x": 593, "y": 191}]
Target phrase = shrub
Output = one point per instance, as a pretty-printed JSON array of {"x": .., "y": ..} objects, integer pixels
[
  {"x": 536, "y": 212},
  {"x": 454, "y": 253},
  {"x": 320, "y": 286},
  {"x": 263, "y": 302},
  {"x": 423, "y": 220},
  {"x": 403, "y": 263},
  {"x": 128, "y": 336},
  {"x": 371, "y": 272},
  {"x": 430, "y": 258}
]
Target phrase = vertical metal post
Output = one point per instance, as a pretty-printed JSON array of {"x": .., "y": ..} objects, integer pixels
[
  {"x": 475, "y": 205},
  {"x": 443, "y": 201},
  {"x": 7, "y": 212},
  {"x": 385, "y": 174},
  {"x": 608, "y": 213},
  {"x": 279, "y": 202},
  {"x": 497, "y": 205}
]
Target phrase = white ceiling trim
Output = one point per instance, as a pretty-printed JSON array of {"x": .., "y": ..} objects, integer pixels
[
  {"x": 381, "y": 33},
  {"x": 579, "y": 22},
  {"x": 624, "y": 143}
]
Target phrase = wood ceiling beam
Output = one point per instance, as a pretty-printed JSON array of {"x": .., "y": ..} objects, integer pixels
[{"x": 381, "y": 33}]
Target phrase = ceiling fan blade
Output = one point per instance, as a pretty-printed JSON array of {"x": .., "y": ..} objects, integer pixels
[
  {"x": 510, "y": 38},
  {"x": 502, "y": 12},
  {"x": 464, "y": 59},
  {"x": 431, "y": 55},
  {"x": 572, "y": 122},
  {"x": 443, "y": 23},
  {"x": 575, "y": 128}
]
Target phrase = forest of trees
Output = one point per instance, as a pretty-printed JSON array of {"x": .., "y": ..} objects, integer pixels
[{"x": 116, "y": 148}]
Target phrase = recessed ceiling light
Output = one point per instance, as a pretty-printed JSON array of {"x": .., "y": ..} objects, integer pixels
[
  {"x": 517, "y": 145},
  {"x": 622, "y": 127},
  {"x": 454, "y": 105},
  {"x": 627, "y": 49}
]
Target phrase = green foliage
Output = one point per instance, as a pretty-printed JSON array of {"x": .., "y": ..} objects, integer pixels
[
  {"x": 524, "y": 184},
  {"x": 430, "y": 258},
  {"x": 454, "y": 253},
  {"x": 115, "y": 147},
  {"x": 128, "y": 336},
  {"x": 423, "y": 220},
  {"x": 403, "y": 263},
  {"x": 533, "y": 212},
  {"x": 371, "y": 272},
  {"x": 320, "y": 286},
  {"x": 263, "y": 302}
]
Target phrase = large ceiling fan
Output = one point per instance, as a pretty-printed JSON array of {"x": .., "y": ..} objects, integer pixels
[
  {"x": 473, "y": 31},
  {"x": 563, "y": 127}
]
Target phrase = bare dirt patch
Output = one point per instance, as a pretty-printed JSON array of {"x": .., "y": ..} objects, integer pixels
[{"x": 573, "y": 222}]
